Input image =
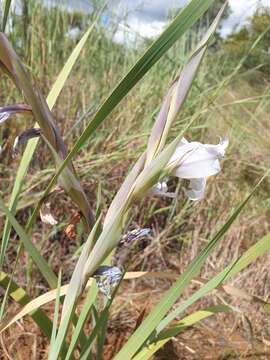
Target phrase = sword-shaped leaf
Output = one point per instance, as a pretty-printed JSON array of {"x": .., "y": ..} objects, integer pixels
[
  {"x": 187, "y": 17},
  {"x": 151, "y": 324},
  {"x": 6, "y": 12},
  {"x": 178, "y": 93},
  {"x": 180, "y": 326}
]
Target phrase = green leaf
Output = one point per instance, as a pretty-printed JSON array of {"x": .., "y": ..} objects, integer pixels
[
  {"x": 180, "y": 326},
  {"x": 31, "y": 146},
  {"x": 42, "y": 265},
  {"x": 66, "y": 70},
  {"x": 187, "y": 17},
  {"x": 56, "y": 310},
  {"x": 6, "y": 11},
  {"x": 153, "y": 319},
  {"x": 99, "y": 329},
  {"x": 89, "y": 301},
  {"x": 75, "y": 288},
  {"x": 260, "y": 248},
  {"x": 178, "y": 93},
  {"x": 21, "y": 297}
]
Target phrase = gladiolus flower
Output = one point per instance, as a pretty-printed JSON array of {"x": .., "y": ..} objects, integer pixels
[
  {"x": 196, "y": 162},
  {"x": 134, "y": 235},
  {"x": 161, "y": 189},
  {"x": 107, "y": 277}
]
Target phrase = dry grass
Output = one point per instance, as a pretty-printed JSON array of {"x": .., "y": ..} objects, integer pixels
[{"x": 178, "y": 230}]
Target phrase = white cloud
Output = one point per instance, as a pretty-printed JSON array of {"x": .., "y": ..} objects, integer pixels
[
  {"x": 133, "y": 30},
  {"x": 147, "y": 18},
  {"x": 241, "y": 11}
]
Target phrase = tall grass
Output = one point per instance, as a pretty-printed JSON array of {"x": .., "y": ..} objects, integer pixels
[{"x": 108, "y": 138}]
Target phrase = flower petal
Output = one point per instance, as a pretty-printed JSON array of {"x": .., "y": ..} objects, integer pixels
[
  {"x": 24, "y": 137},
  {"x": 4, "y": 116},
  {"x": 161, "y": 189},
  {"x": 198, "y": 160},
  {"x": 46, "y": 215},
  {"x": 107, "y": 277},
  {"x": 196, "y": 189},
  {"x": 134, "y": 235}
]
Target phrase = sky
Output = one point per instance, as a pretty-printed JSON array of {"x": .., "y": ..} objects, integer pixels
[{"x": 147, "y": 18}]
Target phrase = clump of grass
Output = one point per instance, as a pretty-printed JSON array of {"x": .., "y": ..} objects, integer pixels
[{"x": 125, "y": 142}]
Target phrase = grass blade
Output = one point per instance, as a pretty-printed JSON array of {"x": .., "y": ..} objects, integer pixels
[
  {"x": 32, "y": 144},
  {"x": 6, "y": 12},
  {"x": 21, "y": 297},
  {"x": 64, "y": 73},
  {"x": 261, "y": 247},
  {"x": 180, "y": 326},
  {"x": 160, "y": 310},
  {"x": 187, "y": 17},
  {"x": 51, "y": 295},
  {"x": 88, "y": 303},
  {"x": 56, "y": 311},
  {"x": 42, "y": 265},
  {"x": 74, "y": 288},
  {"x": 99, "y": 329}
]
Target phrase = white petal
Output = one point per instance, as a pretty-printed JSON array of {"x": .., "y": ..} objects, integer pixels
[
  {"x": 107, "y": 277},
  {"x": 4, "y": 116},
  {"x": 196, "y": 190},
  {"x": 220, "y": 148},
  {"x": 161, "y": 186},
  {"x": 46, "y": 216},
  {"x": 198, "y": 160},
  {"x": 161, "y": 189},
  {"x": 48, "y": 219},
  {"x": 24, "y": 137},
  {"x": 183, "y": 141},
  {"x": 134, "y": 235}
]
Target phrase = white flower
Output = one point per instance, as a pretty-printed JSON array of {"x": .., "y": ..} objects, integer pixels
[
  {"x": 107, "y": 277},
  {"x": 196, "y": 162},
  {"x": 161, "y": 189},
  {"x": 46, "y": 216},
  {"x": 196, "y": 189},
  {"x": 4, "y": 116},
  {"x": 134, "y": 235}
]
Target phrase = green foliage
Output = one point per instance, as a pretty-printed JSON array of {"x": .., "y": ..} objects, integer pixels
[
  {"x": 238, "y": 43},
  {"x": 41, "y": 56}
]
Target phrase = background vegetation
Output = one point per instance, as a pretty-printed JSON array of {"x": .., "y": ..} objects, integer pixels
[{"x": 233, "y": 89}]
